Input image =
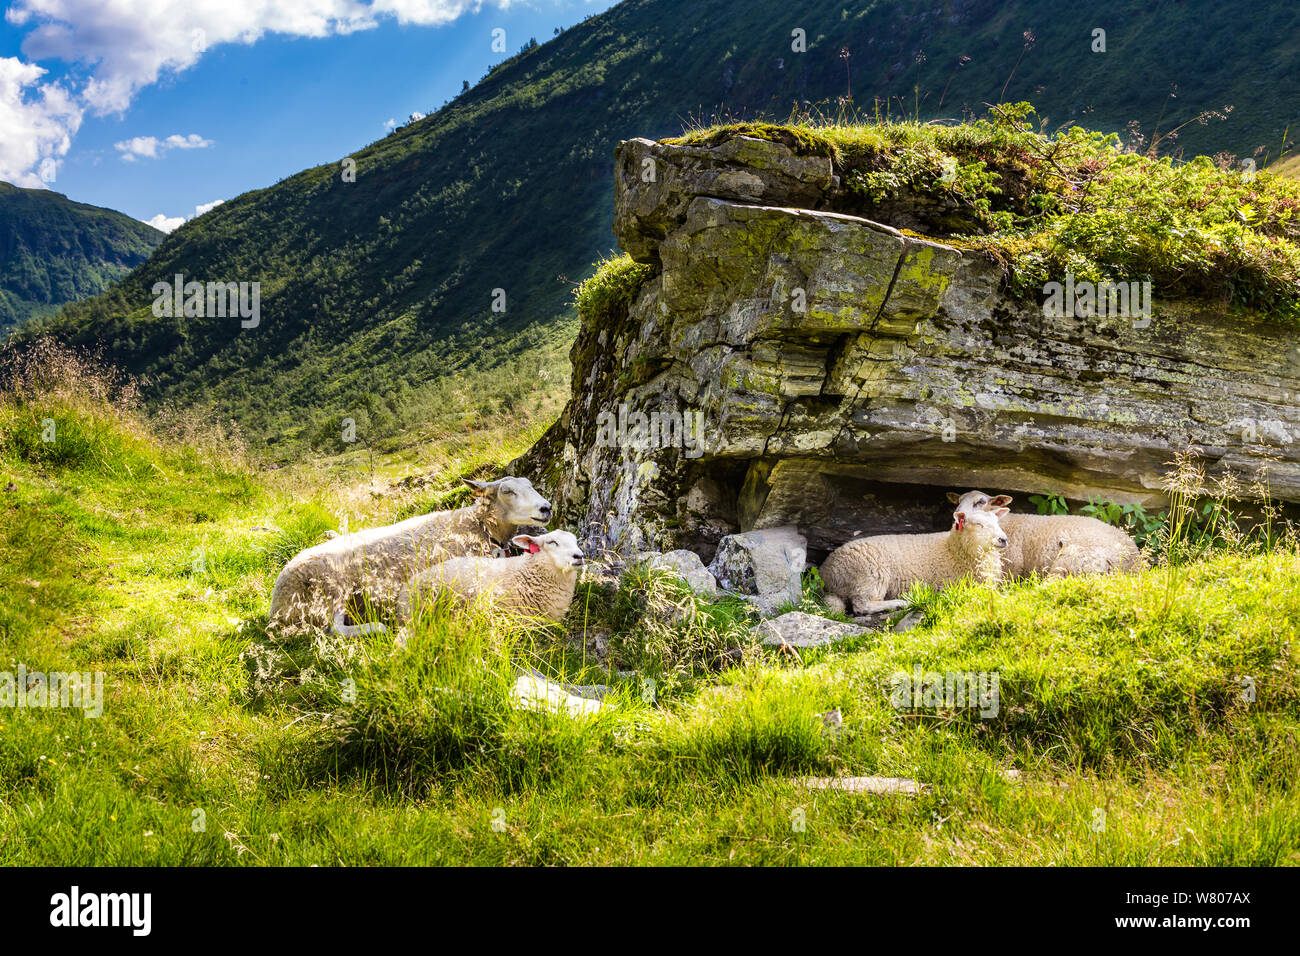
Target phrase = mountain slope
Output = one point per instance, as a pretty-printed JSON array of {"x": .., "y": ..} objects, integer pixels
[
  {"x": 54, "y": 250},
  {"x": 372, "y": 291}
]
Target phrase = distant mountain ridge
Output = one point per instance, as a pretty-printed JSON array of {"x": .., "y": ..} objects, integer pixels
[
  {"x": 445, "y": 252},
  {"x": 54, "y": 250}
]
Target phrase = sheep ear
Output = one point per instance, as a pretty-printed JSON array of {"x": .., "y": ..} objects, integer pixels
[
  {"x": 999, "y": 512},
  {"x": 526, "y": 542},
  {"x": 954, "y": 497},
  {"x": 959, "y": 517},
  {"x": 481, "y": 488},
  {"x": 1001, "y": 501}
]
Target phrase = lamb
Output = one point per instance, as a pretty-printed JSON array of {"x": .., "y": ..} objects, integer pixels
[
  {"x": 1057, "y": 544},
  {"x": 870, "y": 574},
  {"x": 538, "y": 584},
  {"x": 317, "y": 584}
]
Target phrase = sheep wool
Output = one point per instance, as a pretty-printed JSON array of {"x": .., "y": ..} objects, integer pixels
[
  {"x": 869, "y": 574},
  {"x": 317, "y": 583},
  {"x": 538, "y": 584},
  {"x": 1057, "y": 544}
]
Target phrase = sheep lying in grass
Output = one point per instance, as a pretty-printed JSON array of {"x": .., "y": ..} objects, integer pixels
[
  {"x": 1056, "y": 544},
  {"x": 870, "y": 574},
  {"x": 316, "y": 585},
  {"x": 538, "y": 584}
]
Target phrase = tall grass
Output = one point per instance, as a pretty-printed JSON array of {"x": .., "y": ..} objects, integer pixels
[{"x": 61, "y": 407}]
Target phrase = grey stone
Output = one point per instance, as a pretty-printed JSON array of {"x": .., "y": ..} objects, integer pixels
[
  {"x": 688, "y": 566},
  {"x": 654, "y": 183},
  {"x": 797, "y": 629},
  {"x": 534, "y": 691},
  {"x": 766, "y": 564},
  {"x": 909, "y": 621},
  {"x": 874, "y": 785},
  {"x": 832, "y": 722}
]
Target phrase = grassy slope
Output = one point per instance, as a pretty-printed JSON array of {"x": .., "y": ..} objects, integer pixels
[
  {"x": 53, "y": 250},
  {"x": 1287, "y": 166},
  {"x": 375, "y": 288},
  {"x": 1118, "y": 694}
]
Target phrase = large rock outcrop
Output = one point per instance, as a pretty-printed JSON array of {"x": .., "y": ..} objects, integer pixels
[{"x": 846, "y": 373}]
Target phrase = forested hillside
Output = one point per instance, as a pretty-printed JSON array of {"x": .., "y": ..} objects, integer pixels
[{"x": 53, "y": 250}]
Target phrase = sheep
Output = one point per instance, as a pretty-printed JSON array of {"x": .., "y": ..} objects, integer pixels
[
  {"x": 1057, "y": 544},
  {"x": 317, "y": 584},
  {"x": 869, "y": 574},
  {"x": 539, "y": 584}
]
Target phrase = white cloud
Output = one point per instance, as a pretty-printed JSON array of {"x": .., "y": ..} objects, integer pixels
[
  {"x": 166, "y": 223},
  {"x": 126, "y": 45},
  {"x": 151, "y": 146},
  {"x": 425, "y": 13},
  {"x": 170, "y": 223},
  {"x": 38, "y": 119},
  {"x": 390, "y": 123}
]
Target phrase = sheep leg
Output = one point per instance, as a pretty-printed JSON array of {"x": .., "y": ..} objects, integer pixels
[
  {"x": 876, "y": 607},
  {"x": 868, "y": 596},
  {"x": 354, "y": 630}
]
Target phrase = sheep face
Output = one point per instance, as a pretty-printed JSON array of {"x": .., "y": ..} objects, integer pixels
[
  {"x": 979, "y": 530},
  {"x": 514, "y": 500},
  {"x": 558, "y": 547},
  {"x": 978, "y": 501}
]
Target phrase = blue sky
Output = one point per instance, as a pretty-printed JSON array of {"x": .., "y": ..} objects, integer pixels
[{"x": 123, "y": 76}]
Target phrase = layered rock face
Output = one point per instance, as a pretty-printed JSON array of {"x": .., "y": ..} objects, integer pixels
[{"x": 845, "y": 374}]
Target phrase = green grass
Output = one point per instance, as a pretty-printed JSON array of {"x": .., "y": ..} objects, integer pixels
[
  {"x": 1287, "y": 166},
  {"x": 223, "y": 744},
  {"x": 606, "y": 296}
]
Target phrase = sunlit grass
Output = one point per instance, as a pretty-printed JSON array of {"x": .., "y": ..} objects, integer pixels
[{"x": 221, "y": 743}]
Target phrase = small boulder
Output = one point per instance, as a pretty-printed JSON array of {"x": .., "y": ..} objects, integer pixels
[
  {"x": 688, "y": 566},
  {"x": 908, "y": 621},
  {"x": 832, "y": 723},
  {"x": 766, "y": 564},
  {"x": 876, "y": 785},
  {"x": 533, "y": 691},
  {"x": 797, "y": 629}
]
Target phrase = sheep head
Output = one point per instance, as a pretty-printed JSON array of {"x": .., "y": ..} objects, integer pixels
[
  {"x": 512, "y": 501},
  {"x": 978, "y": 501},
  {"x": 558, "y": 547},
  {"x": 979, "y": 530}
]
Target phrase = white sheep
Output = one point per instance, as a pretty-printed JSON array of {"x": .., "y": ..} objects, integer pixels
[
  {"x": 1057, "y": 544},
  {"x": 317, "y": 584},
  {"x": 538, "y": 584},
  {"x": 870, "y": 574}
]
